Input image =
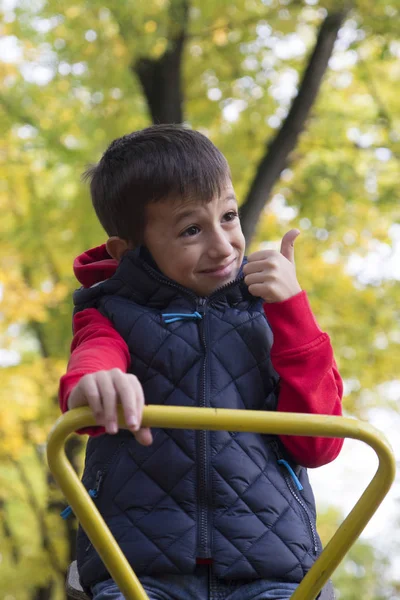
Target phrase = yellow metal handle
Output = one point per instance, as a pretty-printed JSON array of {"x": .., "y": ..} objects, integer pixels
[{"x": 230, "y": 420}]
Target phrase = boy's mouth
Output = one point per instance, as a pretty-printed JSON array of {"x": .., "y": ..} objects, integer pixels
[{"x": 220, "y": 270}]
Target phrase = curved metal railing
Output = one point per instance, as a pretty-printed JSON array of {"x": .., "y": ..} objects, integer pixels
[{"x": 230, "y": 420}]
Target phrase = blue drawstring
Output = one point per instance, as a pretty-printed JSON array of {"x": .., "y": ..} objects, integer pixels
[
  {"x": 180, "y": 316},
  {"x": 292, "y": 473},
  {"x": 68, "y": 511}
]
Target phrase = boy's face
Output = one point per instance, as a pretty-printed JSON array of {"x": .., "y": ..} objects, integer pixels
[{"x": 198, "y": 245}]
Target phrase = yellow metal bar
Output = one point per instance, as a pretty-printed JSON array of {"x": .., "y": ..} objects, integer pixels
[{"x": 231, "y": 420}]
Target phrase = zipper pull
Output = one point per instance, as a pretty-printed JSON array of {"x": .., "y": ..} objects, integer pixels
[
  {"x": 292, "y": 473},
  {"x": 99, "y": 479},
  {"x": 66, "y": 512},
  {"x": 172, "y": 317},
  {"x": 202, "y": 305},
  {"x": 93, "y": 493}
]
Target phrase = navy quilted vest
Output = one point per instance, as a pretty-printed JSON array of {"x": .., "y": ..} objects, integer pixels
[{"x": 196, "y": 494}]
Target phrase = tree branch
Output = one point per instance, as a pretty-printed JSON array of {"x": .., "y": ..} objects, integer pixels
[{"x": 278, "y": 150}]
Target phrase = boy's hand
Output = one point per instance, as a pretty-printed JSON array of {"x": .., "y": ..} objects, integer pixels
[
  {"x": 271, "y": 274},
  {"x": 102, "y": 391}
]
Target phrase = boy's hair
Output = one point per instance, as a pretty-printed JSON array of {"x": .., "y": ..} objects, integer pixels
[{"x": 153, "y": 164}]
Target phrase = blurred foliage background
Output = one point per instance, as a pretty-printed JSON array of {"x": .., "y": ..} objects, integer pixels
[{"x": 302, "y": 97}]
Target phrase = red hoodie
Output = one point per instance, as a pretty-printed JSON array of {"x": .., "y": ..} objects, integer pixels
[{"x": 301, "y": 354}]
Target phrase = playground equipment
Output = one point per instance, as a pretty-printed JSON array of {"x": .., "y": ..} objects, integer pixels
[{"x": 317, "y": 578}]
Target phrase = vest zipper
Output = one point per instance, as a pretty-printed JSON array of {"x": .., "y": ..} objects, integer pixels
[
  {"x": 305, "y": 510},
  {"x": 99, "y": 479},
  {"x": 101, "y": 473},
  {"x": 296, "y": 496},
  {"x": 95, "y": 490},
  {"x": 163, "y": 279},
  {"x": 100, "y": 476},
  {"x": 202, "y": 437},
  {"x": 93, "y": 493},
  {"x": 203, "y": 479}
]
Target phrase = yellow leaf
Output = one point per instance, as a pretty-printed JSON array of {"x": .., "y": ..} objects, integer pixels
[
  {"x": 119, "y": 50},
  {"x": 150, "y": 26},
  {"x": 220, "y": 37},
  {"x": 159, "y": 47},
  {"x": 73, "y": 11}
]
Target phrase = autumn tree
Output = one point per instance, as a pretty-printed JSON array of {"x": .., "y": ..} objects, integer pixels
[{"x": 301, "y": 98}]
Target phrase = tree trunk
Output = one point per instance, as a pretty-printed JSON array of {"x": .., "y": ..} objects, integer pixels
[
  {"x": 278, "y": 150},
  {"x": 161, "y": 78}
]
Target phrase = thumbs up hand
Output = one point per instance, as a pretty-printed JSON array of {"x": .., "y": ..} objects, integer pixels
[{"x": 271, "y": 274}]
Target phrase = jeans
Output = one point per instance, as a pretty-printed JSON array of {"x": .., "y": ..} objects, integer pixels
[{"x": 202, "y": 585}]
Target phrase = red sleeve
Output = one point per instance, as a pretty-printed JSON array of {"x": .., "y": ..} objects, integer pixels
[
  {"x": 96, "y": 346},
  {"x": 310, "y": 382}
]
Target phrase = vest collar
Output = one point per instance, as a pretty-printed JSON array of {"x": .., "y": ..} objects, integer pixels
[
  {"x": 140, "y": 272},
  {"x": 138, "y": 278}
]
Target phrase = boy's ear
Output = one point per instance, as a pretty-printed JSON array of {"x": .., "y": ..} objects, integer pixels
[{"x": 116, "y": 247}]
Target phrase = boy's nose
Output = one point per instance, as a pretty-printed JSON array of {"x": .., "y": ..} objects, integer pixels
[{"x": 220, "y": 246}]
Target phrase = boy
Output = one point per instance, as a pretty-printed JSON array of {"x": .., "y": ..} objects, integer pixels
[{"x": 170, "y": 313}]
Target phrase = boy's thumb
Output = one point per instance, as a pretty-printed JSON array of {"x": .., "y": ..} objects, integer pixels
[{"x": 287, "y": 244}]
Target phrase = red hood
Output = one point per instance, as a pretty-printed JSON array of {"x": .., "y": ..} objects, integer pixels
[{"x": 94, "y": 265}]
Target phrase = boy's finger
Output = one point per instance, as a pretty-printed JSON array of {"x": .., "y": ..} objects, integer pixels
[
  {"x": 127, "y": 398},
  {"x": 144, "y": 437},
  {"x": 259, "y": 255},
  {"x": 134, "y": 418},
  {"x": 255, "y": 278},
  {"x": 253, "y": 267},
  {"x": 258, "y": 268},
  {"x": 257, "y": 289},
  {"x": 90, "y": 391},
  {"x": 109, "y": 401},
  {"x": 142, "y": 434}
]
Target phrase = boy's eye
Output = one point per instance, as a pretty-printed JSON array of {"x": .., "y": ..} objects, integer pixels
[
  {"x": 230, "y": 216},
  {"x": 192, "y": 230}
]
